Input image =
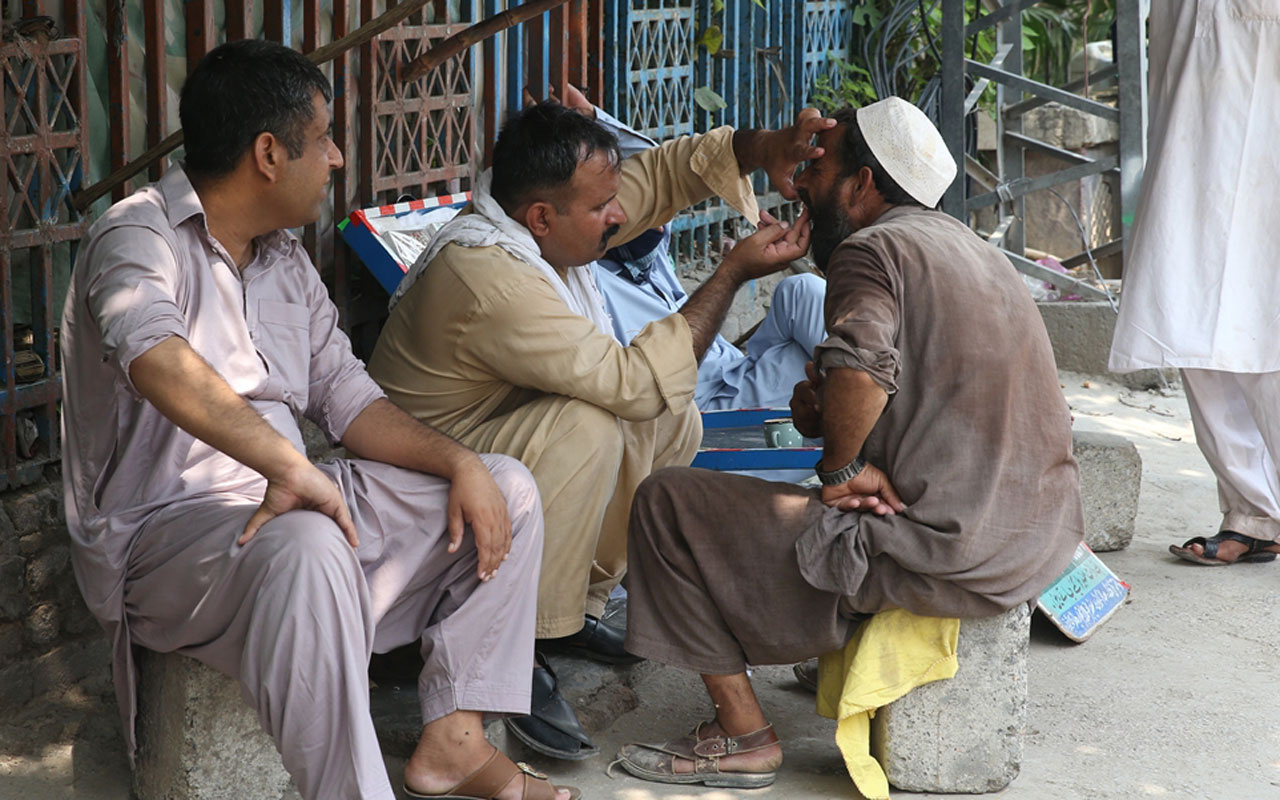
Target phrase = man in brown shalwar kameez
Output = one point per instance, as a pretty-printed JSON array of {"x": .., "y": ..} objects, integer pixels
[{"x": 949, "y": 488}]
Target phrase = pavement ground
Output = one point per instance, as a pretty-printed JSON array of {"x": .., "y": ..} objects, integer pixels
[{"x": 1168, "y": 700}]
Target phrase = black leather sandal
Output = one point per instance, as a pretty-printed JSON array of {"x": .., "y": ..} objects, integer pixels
[{"x": 1257, "y": 552}]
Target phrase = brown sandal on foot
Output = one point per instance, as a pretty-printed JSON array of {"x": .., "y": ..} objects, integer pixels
[
  {"x": 493, "y": 777},
  {"x": 657, "y": 762}
]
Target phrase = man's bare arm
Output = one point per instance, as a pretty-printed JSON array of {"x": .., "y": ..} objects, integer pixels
[
  {"x": 192, "y": 395},
  {"x": 851, "y": 405},
  {"x": 384, "y": 432}
]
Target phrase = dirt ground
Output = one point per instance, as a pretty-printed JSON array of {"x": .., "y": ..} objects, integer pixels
[{"x": 1168, "y": 700}]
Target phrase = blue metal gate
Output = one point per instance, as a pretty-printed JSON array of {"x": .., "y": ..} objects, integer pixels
[{"x": 764, "y": 71}]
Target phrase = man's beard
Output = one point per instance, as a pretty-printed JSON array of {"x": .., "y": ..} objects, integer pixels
[{"x": 829, "y": 226}]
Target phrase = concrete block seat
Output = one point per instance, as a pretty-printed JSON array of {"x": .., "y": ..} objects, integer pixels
[
  {"x": 962, "y": 735},
  {"x": 198, "y": 739},
  {"x": 1110, "y": 480}
]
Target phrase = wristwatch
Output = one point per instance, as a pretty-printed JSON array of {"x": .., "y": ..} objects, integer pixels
[{"x": 847, "y": 472}]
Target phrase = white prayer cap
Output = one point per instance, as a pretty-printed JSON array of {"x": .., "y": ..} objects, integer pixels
[{"x": 909, "y": 148}]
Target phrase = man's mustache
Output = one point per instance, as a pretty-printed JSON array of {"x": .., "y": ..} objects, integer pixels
[{"x": 609, "y": 234}]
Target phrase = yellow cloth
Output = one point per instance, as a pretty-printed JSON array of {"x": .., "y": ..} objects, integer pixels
[{"x": 890, "y": 654}]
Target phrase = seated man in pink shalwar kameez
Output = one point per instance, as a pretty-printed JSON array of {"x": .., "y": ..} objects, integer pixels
[{"x": 196, "y": 331}]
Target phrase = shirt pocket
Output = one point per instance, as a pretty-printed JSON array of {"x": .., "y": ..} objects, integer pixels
[{"x": 283, "y": 339}]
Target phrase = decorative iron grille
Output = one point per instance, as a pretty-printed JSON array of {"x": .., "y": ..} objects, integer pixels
[
  {"x": 43, "y": 142},
  {"x": 828, "y": 26},
  {"x": 421, "y": 136},
  {"x": 764, "y": 72}
]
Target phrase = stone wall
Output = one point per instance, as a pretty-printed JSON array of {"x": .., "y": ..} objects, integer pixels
[{"x": 49, "y": 642}]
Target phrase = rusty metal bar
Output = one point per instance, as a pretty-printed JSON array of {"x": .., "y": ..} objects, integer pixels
[
  {"x": 492, "y": 91},
  {"x": 343, "y": 138},
  {"x": 595, "y": 51},
  {"x": 365, "y": 111},
  {"x": 311, "y": 41},
  {"x": 536, "y": 57},
  {"x": 118, "y": 90},
  {"x": 558, "y": 44},
  {"x": 576, "y": 14},
  {"x": 277, "y": 18},
  {"x": 7, "y": 407},
  {"x": 73, "y": 18},
  {"x": 239, "y": 19},
  {"x": 157, "y": 84},
  {"x": 200, "y": 30}
]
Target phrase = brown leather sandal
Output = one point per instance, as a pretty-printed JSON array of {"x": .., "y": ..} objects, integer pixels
[
  {"x": 493, "y": 777},
  {"x": 657, "y": 762}
]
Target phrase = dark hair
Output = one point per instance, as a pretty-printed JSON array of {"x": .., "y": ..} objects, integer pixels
[
  {"x": 239, "y": 90},
  {"x": 855, "y": 154},
  {"x": 540, "y": 148}
]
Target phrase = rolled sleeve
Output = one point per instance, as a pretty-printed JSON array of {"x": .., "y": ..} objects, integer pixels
[
  {"x": 715, "y": 162},
  {"x": 837, "y": 351},
  {"x": 862, "y": 314},
  {"x": 659, "y": 183},
  {"x": 339, "y": 385},
  {"x": 132, "y": 296}
]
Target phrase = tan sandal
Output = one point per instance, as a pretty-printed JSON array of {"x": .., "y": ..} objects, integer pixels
[
  {"x": 493, "y": 776},
  {"x": 657, "y": 762}
]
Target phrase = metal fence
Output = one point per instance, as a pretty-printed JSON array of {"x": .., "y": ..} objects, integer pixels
[
  {"x": 765, "y": 69},
  {"x": 101, "y": 77}
]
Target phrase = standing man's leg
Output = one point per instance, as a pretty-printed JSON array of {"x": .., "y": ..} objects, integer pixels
[{"x": 1237, "y": 424}]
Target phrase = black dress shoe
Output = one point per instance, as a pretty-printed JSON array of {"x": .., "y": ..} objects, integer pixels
[
  {"x": 551, "y": 727},
  {"x": 596, "y": 641}
]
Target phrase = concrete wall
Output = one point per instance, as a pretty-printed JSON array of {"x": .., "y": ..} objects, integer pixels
[{"x": 48, "y": 640}]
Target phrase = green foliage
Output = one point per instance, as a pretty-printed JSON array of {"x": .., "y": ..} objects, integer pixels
[
  {"x": 711, "y": 39},
  {"x": 709, "y": 99},
  {"x": 851, "y": 88},
  {"x": 1052, "y": 32}
]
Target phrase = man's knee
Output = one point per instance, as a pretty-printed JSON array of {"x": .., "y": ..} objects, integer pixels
[
  {"x": 302, "y": 543},
  {"x": 802, "y": 288},
  {"x": 516, "y": 482},
  {"x": 653, "y": 498},
  {"x": 585, "y": 431}
]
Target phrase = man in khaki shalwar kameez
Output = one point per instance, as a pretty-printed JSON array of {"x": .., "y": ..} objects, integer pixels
[
  {"x": 948, "y": 484},
  {"x": 499, "y": 337}
]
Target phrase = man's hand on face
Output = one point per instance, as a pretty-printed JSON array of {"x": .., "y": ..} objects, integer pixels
[
  {"x": 302, "y": 486},
  {"x": 788, "y": 148},
  {"x": 772, "y": 247},
  {"x": 806, "y": 407},
  {"x": 869, "y": 490},
  {"x": 476, "y": 500}
]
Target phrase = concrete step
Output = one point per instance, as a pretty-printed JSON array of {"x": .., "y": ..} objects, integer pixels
[{"x": 1081, "y": 332}]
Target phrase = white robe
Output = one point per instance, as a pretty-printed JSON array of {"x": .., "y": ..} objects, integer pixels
[{"x": 1202, "y": 289}]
